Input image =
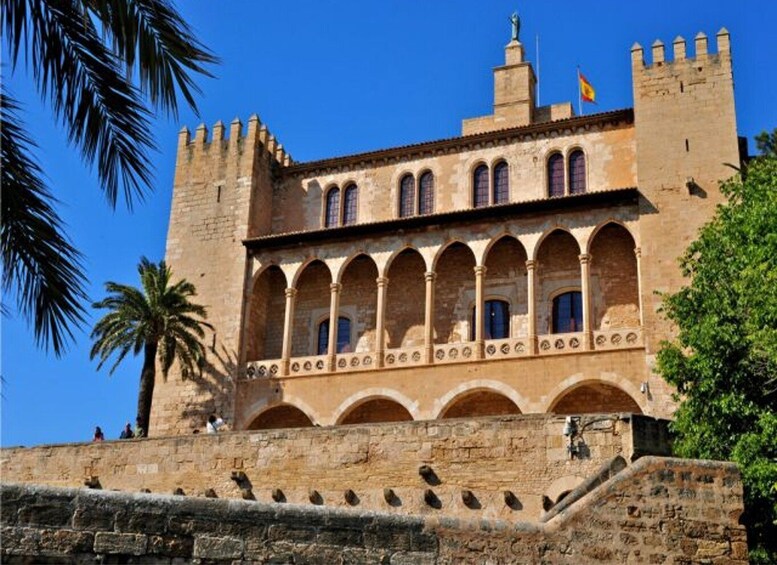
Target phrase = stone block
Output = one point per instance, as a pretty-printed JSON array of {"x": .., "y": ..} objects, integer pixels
[
  {"x": 171, "y": 546},
  {"x": 208, "y": 547},
  {"x": 123, "y": 544}
]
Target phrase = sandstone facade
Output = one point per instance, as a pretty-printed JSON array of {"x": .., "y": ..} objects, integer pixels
[{"x": 511, "y": 270}]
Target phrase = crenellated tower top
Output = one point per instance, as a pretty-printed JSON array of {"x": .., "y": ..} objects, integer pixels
[{"x": 680, "y": 51}]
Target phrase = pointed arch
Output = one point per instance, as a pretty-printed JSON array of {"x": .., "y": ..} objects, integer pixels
[
  {"x": 404, "y": 318},
  {"x": 267, "y": 301},
  {"x": 358, "y": 301},
  {"x": 558, "y": 272},
  {"x": 454, "y": 293},
  {"x": 312, "y": 305}
]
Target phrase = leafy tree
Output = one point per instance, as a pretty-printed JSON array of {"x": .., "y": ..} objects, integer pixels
[
  {"x": 103, "y": 66},
  {"x": 159, "y": 320},
  {"x": 724, "y": 358}
]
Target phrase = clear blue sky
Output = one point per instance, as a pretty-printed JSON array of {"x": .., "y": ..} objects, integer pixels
[{"x": 332, "y": 78}]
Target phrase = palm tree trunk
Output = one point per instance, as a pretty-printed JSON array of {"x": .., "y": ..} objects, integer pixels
[{"x": 147, "y": 378}]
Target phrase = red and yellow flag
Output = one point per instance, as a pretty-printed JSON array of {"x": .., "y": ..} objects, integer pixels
[{"x": 587, "y": 92}]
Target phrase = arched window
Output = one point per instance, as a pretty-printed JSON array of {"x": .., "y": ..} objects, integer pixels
[
  {"x": 480, "y": 187},
  {"x": 426, "y": 193},
  {"x": 501, "y": 183},
  {"x": 350, "y": 202},
  {"x": 496, "y": 320},
  {"x": 556, "y": 175},
  {"x": 577, "y": 172},
  {"x": 568, "y": 312},
  {"x": 406, "y": 196},
  {"x": 343, "y": 336},
  {"x": 332, "y": 207}
]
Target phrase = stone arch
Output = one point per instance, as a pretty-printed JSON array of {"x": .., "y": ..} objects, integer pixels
[
  {"x": 405, "y": 297},
  {"x": 401, "y": 249},
  {"x": 562, "y": 486},
  {"x": 358, "y": 300},
  {"x": 280, "y": 416},
  {"x": 376, "y": 403},
  {"x": 312, "y": 303},
  {"x": 585, "y": 245},
  {"x": 454, "y": 293},
  {"x": 506, "y": 276},
  {"x": 614, "y": 278},
  {"x": 267, "y": 301},
  {"x": 304, "y": 265},
  {"x": 497, "y": 388},
  {"x": 444, "y": 247},
  {"x": 479, "y": 402},
  {"x": 558, "y": 267},
  {"x": 547, "y": 233},
  {"x": 594, "y": 396}
]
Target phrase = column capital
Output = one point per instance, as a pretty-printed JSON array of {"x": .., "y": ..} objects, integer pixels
[
  {"x": 480, "y": 270},
  {"x": 382, "y": 281},
  {"x": 430, "y": 276},
  {"x": 335, "y": 287},
  {"x": 638, "y": 252},
  {"x": 531, "y": 264},
  {"x": 290, "y": 292},
  {"x": 585, "y": 258}
]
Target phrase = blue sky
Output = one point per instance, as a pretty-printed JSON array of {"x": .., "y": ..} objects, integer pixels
[{"x": 333, "y": 78}]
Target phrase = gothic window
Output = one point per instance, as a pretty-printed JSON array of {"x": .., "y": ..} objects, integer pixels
[
  {"x": 350, "y": 202},
  {"x": 568, "y": 312},
  {"x": 343, "y": 336},
  {"x": 480, "y": 187},
  {"x": 406, "y": 196},
  {"x": 577, "y": 172},
  {"x": 556, "y": 175},
  {"x": 332, "y": 208},
  {"x": 496, "y": 320},
  {"x": 426, "y": 193},
  {"x": 501, "y": 183}
]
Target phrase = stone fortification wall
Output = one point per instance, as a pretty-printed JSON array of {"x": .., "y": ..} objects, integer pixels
[
  {"x": 656, "y": 511},
  {"x": 526, "y": 456}
]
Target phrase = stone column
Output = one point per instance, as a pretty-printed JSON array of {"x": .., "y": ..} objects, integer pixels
[
  {"x": 531, "y": 304},
  {"x": 380, "y": 321},
  {"x": 585, "y": 290},
  {"x": 429, "y": 277},
  {"x": 480, "y": 275},
  {"x": 334, "y": 315},
  {"x": 638, "y": 255},
  {"x": 288, "y": 324}
]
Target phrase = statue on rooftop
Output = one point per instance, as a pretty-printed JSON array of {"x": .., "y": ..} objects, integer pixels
[{"x": 516, "y": 22}]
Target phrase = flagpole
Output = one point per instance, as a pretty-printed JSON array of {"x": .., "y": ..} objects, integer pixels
[
  {"x": 538, "y": 68},
  {"x": 579, "y": 93}
]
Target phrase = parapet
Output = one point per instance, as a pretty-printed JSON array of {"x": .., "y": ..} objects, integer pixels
[
  {"x": 680, "y": 52},
  {"x": 257, "y": 136}
]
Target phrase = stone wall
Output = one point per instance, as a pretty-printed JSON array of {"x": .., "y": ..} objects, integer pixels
[
  {"x": 526, "y": 455},
  {"x": 656, "y": 511}
]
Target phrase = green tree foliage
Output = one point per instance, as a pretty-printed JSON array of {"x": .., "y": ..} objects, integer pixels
[
  {"x": 158, "y": 320},
  {"x": 103, "y": 66},
  {"x": 724, "y": 359}
]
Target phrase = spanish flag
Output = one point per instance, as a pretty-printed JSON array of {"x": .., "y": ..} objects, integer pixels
[{"x": 587, "y": 92}]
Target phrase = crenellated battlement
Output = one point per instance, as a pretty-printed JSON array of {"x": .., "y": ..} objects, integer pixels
[
  {"x": 257, "y": 135},
  {"x": 680, "y": 50}
]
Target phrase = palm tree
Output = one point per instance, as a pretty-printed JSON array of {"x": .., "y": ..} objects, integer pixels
[
  {"x": 103, "y": 66},
  {"x": 159, "y": 320}
]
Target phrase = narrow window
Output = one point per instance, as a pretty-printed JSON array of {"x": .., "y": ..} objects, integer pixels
[
  {"x": 577, "y": 172},
  {"x": 406, "y": 196},
  {"x": 218, "y": 193},
  {"x": 480, "y": 186},
  {"x": 332, "y": 207},
  {"x": 556, "y": 175},
  {"x": 501, "y": 183},
  {"x": 343, "y": 336},
  {"x": 496, "y": 320},
  {"x": 426, "y": 193},
  {"x": 350, "y": 205},
  {"x": 568, "y": 312}
]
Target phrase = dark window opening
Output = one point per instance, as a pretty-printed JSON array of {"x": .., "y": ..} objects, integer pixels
[
  {"x": 426, "y": 194},
  {"x": 556, "y": 175},
  {"x": 568, "y": 312},
  {"x": 350, "y": 205},
  {"x": 501, "y": 183},
  {"x": 480, "y": 196},
  {"x": 343, "y": 336},
  {"x": 332, "y": 208},
  {"x": 577, "y": 172},
  {"x": 496, "y": 320},
  {"x": 407, "y": 196}
]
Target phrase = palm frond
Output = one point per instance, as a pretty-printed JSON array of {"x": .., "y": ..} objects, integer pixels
[{"x": 38, "y": 260}]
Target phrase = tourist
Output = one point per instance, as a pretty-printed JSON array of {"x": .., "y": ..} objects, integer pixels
[
  {"x": 98, "y": 434},
  {"x": 214, "y": 423},
  {"x": 139, "y": 430},
  {"x": 127, "y": 432}
]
